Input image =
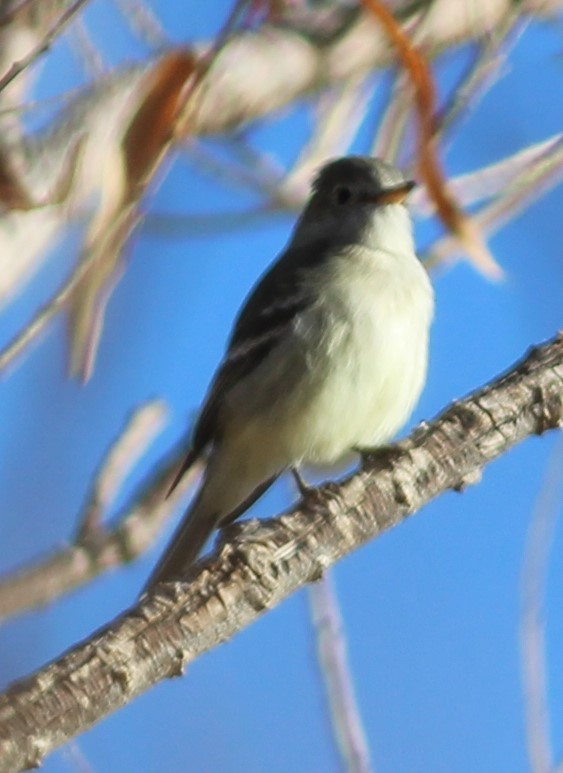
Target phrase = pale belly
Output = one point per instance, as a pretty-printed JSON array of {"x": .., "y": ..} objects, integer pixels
[
  {"x": 348, "y": 377},
  {"x": 362, "y": 392}
]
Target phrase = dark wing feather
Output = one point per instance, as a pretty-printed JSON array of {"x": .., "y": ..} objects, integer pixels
[
  {"x": 275, "y": 300},
  {"x": 279, "y": 294}
]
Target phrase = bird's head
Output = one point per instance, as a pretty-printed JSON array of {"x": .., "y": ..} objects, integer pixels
[
  {"x": 358, "y": 200},
  {"x": 359, "y": 181}
]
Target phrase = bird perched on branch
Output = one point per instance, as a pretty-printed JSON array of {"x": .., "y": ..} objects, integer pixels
[{"x": 328, "y": 352}]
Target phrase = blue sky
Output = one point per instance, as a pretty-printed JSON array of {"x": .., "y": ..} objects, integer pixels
[{"x": 431, "y": 609}]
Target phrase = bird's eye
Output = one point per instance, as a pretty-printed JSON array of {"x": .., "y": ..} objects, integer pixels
[{"x": 342, "y": 194}]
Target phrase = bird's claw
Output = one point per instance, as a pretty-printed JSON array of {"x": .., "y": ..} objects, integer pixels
[{"x": 314, "y": 497}]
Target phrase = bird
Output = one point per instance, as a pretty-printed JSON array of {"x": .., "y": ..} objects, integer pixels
[{"x": 328, "y": 353}]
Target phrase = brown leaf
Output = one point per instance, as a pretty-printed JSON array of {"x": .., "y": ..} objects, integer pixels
[
  {"x": 448, "y": 210},
  {"x": 152, "y": 128},
  {"x": 162, "y": 114},
  {"x": 138, "y": 157},
  {"x": 13, "y": 194}
]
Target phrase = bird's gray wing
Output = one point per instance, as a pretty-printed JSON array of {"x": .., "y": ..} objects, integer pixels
[{"x": 276, "y": 300}]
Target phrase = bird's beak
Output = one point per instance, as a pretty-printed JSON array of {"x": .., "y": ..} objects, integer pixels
[{"x": 396, "y": 195}]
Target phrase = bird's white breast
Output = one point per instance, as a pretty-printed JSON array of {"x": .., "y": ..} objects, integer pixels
[{"x": 367, "y": 339}]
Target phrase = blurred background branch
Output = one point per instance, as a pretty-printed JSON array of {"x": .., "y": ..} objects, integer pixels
[
  {"x": 535, "y": 566},
  {"x": 298, "y": 55},
  {"x": 337, "y": 677},
  {"x": 100, "y": 547}
]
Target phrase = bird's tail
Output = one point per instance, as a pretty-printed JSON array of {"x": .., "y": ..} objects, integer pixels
[
  {"x": 219, "y": 501},
  {"x": 186, "y": 543},
  {"x": 189, "y": 461}
]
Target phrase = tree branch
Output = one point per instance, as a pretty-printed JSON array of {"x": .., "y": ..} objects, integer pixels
[
  {"x": 43, "y": 45},
  {"x": 73, "y": 565},
  {"x": 535, "y": 565},
  {"x": 258, "y": 564},
  {"x": 346, "y": 720}
]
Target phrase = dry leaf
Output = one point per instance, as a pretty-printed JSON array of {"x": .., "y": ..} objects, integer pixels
[
  {"x": 429, "y": 166},
  {"x": 13, "y": 193},
  {"x": 128, "y": 170}
]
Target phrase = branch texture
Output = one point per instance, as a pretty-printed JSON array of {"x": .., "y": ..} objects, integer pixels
[{"x": 258, "y": 564}]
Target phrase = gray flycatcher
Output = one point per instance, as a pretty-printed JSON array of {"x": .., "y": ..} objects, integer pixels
[{"x": 328, "y": 353}]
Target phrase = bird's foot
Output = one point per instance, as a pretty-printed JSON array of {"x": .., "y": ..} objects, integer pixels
[
  {"x": 304, "y": 488},
  {"x": 314, "y": 497}
]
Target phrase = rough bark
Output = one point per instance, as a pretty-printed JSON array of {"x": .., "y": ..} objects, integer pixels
[{"x": 259, "y": 564}]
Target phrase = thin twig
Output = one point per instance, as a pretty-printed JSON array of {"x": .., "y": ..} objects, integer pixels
[
  {"x": 73, "y": 566},
  {"x": 59, "y": 101},
  {"x": 331, "y": 647},
  {"x": 140, "y": 430},
  {"x": 479, "y": 78},
  {"x": 47, "y": 312},
  {"x": 533, "y": 180},
  {"x": 144, "y": 23},
  {"x": 182, "y": 225},
  {"x": 86, "y": 50},
  {"x": 498, "y": 178},
  {"x": 392, "y": 127},
  {"x": 76, "y": 759},
  {"x": 542, "y": 175},
  {"x": 483, "y": 72},
  {"x": 250, "y": 169},
  {"x": 532, "y": 626},
  {"x": 43, "y": 45}
]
